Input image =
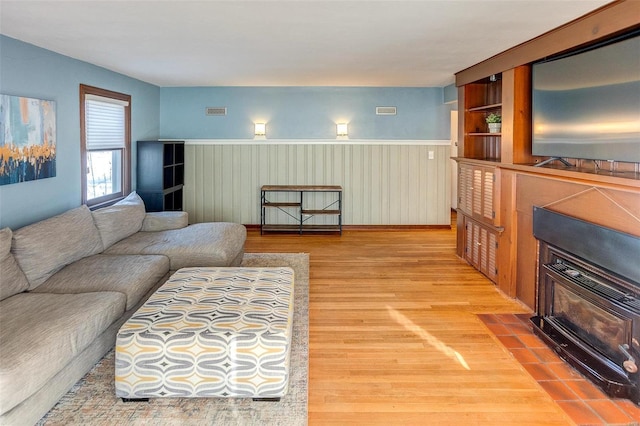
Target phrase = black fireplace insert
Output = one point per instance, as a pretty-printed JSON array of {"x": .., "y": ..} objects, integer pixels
[{"x": 589, "y": 299}]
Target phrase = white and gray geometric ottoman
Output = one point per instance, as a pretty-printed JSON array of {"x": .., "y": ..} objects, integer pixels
[{"x": 210, "y": 332}]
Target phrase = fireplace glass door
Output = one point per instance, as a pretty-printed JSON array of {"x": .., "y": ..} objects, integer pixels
[
  {"x": 589, "y": 299},
  {"x": 600, "y": 328}
]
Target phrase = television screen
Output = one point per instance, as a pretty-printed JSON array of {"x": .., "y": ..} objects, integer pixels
[{"x": 587, "y": 105}]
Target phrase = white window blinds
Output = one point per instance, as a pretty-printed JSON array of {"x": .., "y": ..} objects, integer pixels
[{"x": 104, "y": 123}]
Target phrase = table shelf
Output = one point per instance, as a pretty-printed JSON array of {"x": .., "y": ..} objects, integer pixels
[
  {"x": 269, "y": 204},
  {"x": 305, "y": 228},
  {"x": 295, "y": 210},
  {"x": 318, "y": 212}
]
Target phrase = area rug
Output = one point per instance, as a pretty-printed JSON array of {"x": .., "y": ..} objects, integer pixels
[{"x": 92, "y": 400}]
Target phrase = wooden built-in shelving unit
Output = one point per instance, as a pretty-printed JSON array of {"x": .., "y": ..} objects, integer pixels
[
  {"x": 481, "y": 99},
  {"x": 497, "y": 181}
]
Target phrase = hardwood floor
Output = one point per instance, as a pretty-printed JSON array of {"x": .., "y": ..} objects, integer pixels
[{"x": 394, "y": 338}]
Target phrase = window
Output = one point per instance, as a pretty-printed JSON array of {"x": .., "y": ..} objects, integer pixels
[{"x": 105, "y": 133}]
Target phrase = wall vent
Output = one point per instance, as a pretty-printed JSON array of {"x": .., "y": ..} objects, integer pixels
[
  {"x": 216, "y": 111},
  {"x": 386, "y": 110}
]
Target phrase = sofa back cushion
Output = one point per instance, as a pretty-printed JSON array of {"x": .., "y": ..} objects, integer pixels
[
  {"x": 12, "y": 279},
  {"x": 45, "y": 247},
  {"x": 120, "y": 220}
]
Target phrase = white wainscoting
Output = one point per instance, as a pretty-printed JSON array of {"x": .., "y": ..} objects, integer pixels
[{"x": 384, "y": 182}]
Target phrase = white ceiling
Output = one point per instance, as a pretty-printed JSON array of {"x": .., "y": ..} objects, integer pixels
[{"x": 419, "y": 43}]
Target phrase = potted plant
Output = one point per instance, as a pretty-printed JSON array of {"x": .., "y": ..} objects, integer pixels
[{"x": 495, "y": 122}]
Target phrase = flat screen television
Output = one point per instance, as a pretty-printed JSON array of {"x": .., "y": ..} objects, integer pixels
[{"x": 586, "y": 104}]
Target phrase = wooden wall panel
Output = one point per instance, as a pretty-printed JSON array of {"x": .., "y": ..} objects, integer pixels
[
  {"x": 526, "y": 261},
  {"x": 613, "y": 208},
  {"x": 507, "y": 254},
  {"x": 616, "y": 209},
  {"x": 384, "y": 184}
]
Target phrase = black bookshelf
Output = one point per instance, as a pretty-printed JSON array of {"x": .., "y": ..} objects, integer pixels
[{"x": 161, "y": 174}]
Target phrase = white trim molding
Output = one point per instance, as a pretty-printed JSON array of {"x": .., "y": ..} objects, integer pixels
[{"x": 412, "y": 142}]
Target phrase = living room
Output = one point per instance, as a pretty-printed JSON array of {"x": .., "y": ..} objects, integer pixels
[{"x": 394, "y": 169}]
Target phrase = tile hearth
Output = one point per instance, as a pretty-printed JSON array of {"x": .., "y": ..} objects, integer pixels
[{"x": 583, "y": 402}]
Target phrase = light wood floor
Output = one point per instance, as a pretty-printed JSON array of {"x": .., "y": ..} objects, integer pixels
[{"x": 393, "y": 336}]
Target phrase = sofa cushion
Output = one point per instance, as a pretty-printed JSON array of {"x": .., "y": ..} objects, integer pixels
[
  {"x": 42, "y": 332},
  {"x": 120, "y": 220},
  {"x": 45, "y": 247},
  {"x": 130, "y": 275},
  {"x": 202, "y": 244},
  {"x": 12, "y": 279},
  {"x": 163, "y": 221}
]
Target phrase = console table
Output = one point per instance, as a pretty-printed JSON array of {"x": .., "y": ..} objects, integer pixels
[{"x": 294, "y": 207}]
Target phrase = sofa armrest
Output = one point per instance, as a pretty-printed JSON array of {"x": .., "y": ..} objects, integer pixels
[{"x": 164, "y": 221}]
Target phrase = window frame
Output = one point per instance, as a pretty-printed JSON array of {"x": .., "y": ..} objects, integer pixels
[{"x": 126, "y": 152}]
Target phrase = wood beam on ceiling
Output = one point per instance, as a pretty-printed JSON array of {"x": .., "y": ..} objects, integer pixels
[{"x": 609, "y": 20}]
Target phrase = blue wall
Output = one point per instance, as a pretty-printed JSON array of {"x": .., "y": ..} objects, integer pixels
[
  {"x": 303, "y": 112},
  {"x": 290, "y": 113},
  {"x": 30, "y": 71},
  {"x": 450, "y": 94}
]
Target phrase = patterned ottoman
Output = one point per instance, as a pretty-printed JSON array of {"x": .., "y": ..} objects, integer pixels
[{"x": 210, "y": 332}]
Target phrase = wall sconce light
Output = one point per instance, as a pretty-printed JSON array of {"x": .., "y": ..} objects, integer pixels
[
  {"x": 260, "y": 129},
  {"x": 342, "y": 130}
]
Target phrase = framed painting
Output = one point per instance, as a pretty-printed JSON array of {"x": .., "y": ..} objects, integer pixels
[{"x": 27, "y": 139}]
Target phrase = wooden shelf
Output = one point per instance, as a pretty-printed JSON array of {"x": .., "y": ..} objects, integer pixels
[
  {"x": 484, "y": 134},
  {"x": 317, "y": 212},
  {"x": 629, "y": 180},
  {"x": 270, "y": 204},
  {"x": 484, "y": 108},
  {"x": 481, "y": 161}
]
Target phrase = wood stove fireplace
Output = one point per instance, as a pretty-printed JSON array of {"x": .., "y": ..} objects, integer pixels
[{"x": 589, "y": 299}]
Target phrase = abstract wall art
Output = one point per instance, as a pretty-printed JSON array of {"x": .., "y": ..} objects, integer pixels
[{"x": 27, "y": 139}]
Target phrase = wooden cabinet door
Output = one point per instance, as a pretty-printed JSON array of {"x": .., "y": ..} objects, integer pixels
[
  {"x": 472, "y": 250},
  {"x": 481, "y": 248},
  {"x": 465, "y": 188},
  {"x": 476, "y": 192},
  {"x": 488, "y": 253},
  {"x": 488, "y": 209}
]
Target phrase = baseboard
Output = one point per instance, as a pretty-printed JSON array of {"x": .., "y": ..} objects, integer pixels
[{"x": 376, "y": 227}]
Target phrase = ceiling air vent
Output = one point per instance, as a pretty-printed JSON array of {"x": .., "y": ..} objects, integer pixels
[
  {"x": 216, "y": 111},
  {"x": 386, "y": 110}
]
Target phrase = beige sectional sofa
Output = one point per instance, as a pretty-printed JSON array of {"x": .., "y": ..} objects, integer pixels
[{"x": 68, "y": 283}]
